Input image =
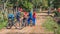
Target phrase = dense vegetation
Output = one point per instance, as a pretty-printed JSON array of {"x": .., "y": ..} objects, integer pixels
[{"x": 51, "y": 25}]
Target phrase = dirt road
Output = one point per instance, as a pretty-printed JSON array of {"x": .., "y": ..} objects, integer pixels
[{"x": 38, "y": 29}]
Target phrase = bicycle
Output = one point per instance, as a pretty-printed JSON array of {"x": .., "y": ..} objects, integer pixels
[{"x": 9, "y": 24}]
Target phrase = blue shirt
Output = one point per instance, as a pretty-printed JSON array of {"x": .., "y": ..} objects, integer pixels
[
  {"x": 11, "y": 16},
  {"x": 30, "y": 14},
  {"x": 18, "y": 14}
]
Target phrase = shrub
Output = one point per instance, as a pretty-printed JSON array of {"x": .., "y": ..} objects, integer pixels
[
  {"x": 57, "y": 14},
  {"x": 50, "y": 24},
  {"x": 3, "y": 24}
]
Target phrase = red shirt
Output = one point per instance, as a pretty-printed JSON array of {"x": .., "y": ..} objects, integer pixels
[
  {"x": 25, "y": 14},
  {"x": 34, "y": 15}
]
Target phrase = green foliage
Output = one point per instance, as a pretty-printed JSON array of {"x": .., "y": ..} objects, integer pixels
[
  {"x": 56, "y": 3},
  {"x": 37, "y": 3},
  {"x": 13, "y": 1},
  {"x": 57, "y": 14},
  {"x": 3, "y": 24},
  {"x": 58, "y": 30},
  {"x": 50, "y": 24},
  {"x": 9, "y": 5},
  {"x": 23, "y": 3},
  {"x": 28, "y": 5},
  {"x": 1, "y": 17}
]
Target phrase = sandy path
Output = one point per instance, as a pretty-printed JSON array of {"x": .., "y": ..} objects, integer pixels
[{"x": 27, "y": 30}]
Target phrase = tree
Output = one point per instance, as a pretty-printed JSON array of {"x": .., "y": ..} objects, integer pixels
[
  {"x": 28, "y": 5},
  {"x": 56, "y": 3},
  {"x": 36, "y": 3}
]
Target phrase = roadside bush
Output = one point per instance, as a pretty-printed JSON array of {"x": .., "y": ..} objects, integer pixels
[
  {"x": 3, "y": 24},
  {"x": 57, "y": 14},
  {"x": 49, "y": 24}
]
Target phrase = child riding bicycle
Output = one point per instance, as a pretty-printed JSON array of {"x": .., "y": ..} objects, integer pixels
[{"x": 10, "y": 20}]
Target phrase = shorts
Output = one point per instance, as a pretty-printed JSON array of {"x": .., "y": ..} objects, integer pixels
[
  {"x": 34, "y": 21},
  {"x": 29, "y": 20},
  {"x": 24, "y": 19},
  {"x": 18, "y": 19}
]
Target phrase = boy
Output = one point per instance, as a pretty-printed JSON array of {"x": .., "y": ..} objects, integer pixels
[
  {"x": 25, "y": 19},
  {"x": 29, "y": 17},
  {"x": 10, "y": 20},
  {"x": 34, "y": 18},
  {"x": 18, "y": 17}
]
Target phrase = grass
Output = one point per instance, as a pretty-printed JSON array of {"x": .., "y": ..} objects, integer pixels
[
  {"x": 3, "y": 24},
  {"x": 49, "y": 24}
]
